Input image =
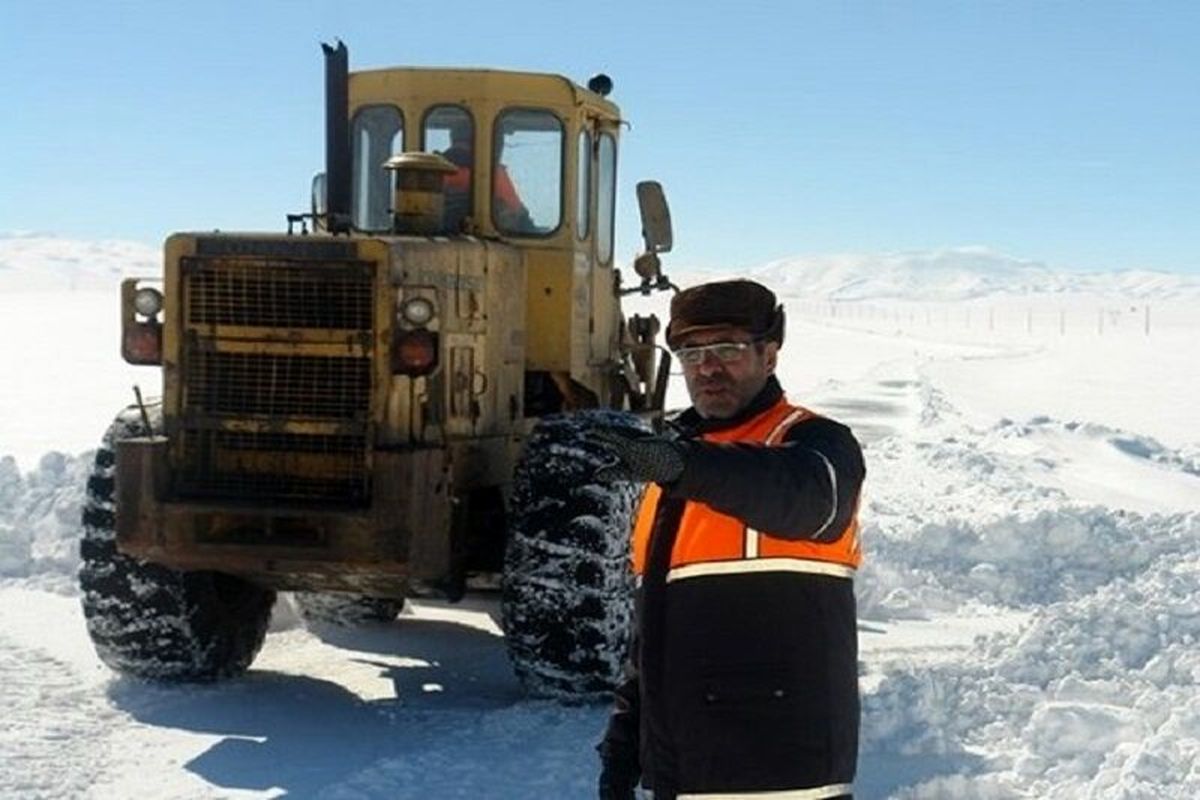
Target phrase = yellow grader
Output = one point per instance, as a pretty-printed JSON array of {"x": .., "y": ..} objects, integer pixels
[{"x": 389, "y": 399}]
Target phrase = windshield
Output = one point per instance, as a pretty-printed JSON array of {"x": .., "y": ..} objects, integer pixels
[{"x": 527, "y": 178}]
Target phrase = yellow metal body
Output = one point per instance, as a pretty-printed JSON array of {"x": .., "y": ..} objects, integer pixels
[{"x": 293, "y": 451}]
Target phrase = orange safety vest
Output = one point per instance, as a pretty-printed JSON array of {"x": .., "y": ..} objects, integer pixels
[
  {"x": 712, "y": 543},
  {"x": 506, "y": 192}
]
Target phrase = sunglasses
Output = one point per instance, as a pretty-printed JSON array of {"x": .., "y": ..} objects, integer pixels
[{"x": 725, "y": 352}]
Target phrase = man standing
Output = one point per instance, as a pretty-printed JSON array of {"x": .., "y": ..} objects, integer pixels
[{"x": 743, "y": 679}]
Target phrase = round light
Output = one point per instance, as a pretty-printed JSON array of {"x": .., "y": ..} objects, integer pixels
[
  {"x": 417, "y": 310},
  {"x": 147, "y": 301},
  {"x": 414, "y": 353}
]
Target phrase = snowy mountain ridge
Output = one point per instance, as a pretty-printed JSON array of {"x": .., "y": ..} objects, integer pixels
[
  {"x": 958, "y": 273},
  {"x": 37, "y": 261}
]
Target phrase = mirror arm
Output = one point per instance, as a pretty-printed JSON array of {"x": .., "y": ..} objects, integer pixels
[{"x": 650, "y": 285}]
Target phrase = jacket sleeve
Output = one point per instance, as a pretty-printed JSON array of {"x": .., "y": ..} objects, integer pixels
[{"x": 805, "y": 488}]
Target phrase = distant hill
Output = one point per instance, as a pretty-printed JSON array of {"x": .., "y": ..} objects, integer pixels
[
  {"x": 961, "y": 273},
  {"x": 44, "y": 262}
]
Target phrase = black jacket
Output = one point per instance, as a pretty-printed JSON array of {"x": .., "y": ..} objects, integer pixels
[{"x": 746, "y": 682}]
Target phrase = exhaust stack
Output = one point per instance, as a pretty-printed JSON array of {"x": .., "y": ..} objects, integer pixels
[{"x": 337, "y": 137}]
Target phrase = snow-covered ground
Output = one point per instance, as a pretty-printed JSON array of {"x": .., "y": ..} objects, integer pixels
[{"x": 1029, "y": 607}]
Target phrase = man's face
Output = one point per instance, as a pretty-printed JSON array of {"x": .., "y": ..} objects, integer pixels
[{"x": 721, "y": 388}]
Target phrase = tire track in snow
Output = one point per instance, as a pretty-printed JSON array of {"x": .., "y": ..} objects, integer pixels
[
  {"x": 888, "y": 402},
  {"x": 55, "y": 728}
]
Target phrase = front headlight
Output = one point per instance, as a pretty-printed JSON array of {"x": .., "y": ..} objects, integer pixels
[
  {"x": 417, "y": 311},
  {"x": 148, "y": 301}
]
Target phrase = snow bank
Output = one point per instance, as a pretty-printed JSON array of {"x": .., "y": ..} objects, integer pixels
[
  {"x": 998, "y": 515},
  {"x": 1097, "y": 695},
  {"x": 1016, "y": 561},
  {"x": 39, "y": 520}
]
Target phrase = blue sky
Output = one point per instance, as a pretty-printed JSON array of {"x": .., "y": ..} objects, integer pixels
[{"x": 1067, "y": 132}]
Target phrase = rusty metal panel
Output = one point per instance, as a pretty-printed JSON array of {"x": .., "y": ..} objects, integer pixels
[
  {"x": 405, "y": 531},
  {"x": 141, "y": 482},
  {"x": 462, "y": 377},
  {"x": 414, "y": 501},
  {"x": 501, "y": 396},
  {"x": 470, "y": 289}
]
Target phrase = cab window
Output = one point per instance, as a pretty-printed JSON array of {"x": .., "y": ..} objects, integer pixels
[
  {"x": 377, "y": 134},
  {"x": 527, "y": 172},
  {"x": 583, "y": 183},
  {"x": 450, "y": 132},
  {"x": 606, "y": 187}
]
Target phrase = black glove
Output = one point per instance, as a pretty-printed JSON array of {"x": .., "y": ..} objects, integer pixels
[
  {"x": 617, "y": 780},
  {"x": 636, "y": 456}
]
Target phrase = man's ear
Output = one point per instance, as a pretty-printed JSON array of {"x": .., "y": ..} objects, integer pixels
[{"x": 771, "y": 354}]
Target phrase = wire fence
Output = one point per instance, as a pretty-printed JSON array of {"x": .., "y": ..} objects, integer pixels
[{"x": 989, "y": 320}]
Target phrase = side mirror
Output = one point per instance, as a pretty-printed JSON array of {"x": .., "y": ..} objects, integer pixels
[
  {"x": 656, "y": 217},
  {"x": 320, "y": 196},
  {"x": 656, "y": 232}
]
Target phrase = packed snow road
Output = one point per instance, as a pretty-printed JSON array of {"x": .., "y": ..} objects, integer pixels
[{"x": 1028, "y": 613}]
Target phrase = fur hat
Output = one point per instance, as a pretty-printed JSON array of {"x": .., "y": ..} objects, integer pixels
[{"x": 740, "y": 303}]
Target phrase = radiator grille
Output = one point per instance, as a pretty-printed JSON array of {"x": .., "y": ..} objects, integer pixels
[
  {"x": 274, "y": 293},
  {"x": 253, "y": 407},
  {"x": 299, "y": 386}
]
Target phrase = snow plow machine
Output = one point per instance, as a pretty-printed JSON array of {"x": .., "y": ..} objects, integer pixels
[{"x": 389, "y": 399}]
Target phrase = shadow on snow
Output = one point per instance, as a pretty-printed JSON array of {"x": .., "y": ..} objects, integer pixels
[{"x": 302, "y": 734}]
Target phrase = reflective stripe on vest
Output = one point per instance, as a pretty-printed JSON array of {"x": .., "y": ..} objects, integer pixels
[
  {"x": 712, "y": 543},
  {"x": 815, "y": 793}
]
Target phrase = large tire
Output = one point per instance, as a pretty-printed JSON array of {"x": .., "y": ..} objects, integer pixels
[
  {"x": 148, "y": 620},
  {"x": 567, "y": 594},
  {"x": 338, "y": 608}
]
